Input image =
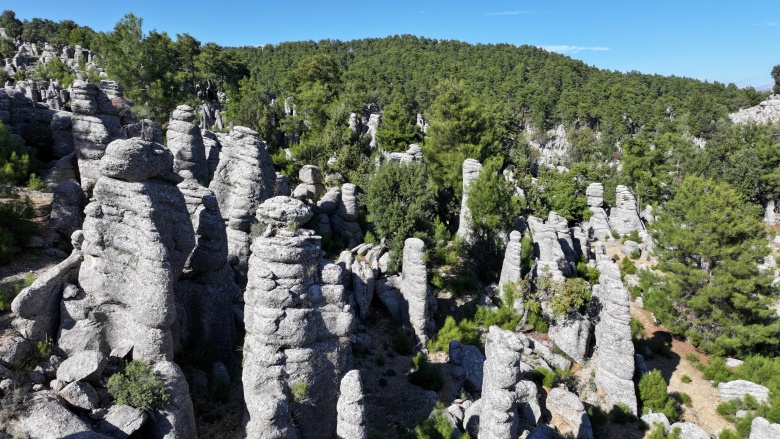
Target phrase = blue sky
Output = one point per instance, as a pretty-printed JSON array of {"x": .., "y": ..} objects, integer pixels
[{"x": 715, "y": 40}]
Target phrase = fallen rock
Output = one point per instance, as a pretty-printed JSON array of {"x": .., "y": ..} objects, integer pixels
[
  {"x": 122, "y": 421},
  {"x": 568, "y": 414},
  {"x": 80, "y": 395},
  {"x": 82, "y": 366}
]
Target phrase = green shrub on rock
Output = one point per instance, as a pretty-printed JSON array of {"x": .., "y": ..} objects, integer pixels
[{"x": 137, "y": 386}]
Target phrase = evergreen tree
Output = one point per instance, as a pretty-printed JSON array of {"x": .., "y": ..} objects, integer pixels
[
  {"x": 776, "y": 77},
  {"x": 399, "y": 125},
  {"x": 710, "y": 243}
]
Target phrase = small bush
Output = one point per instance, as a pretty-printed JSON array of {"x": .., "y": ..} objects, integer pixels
[
  {"x": 436, "y": 426},
  {"x": 652, "y": 393},
  {"x": 466, "y": 332},
  {"x": 370, "y": 238},
  {"x": 426, "y": 375},
  {"x": 620, "y": 413},
  {"x": 299, "y": 391},
  {"x": 547, "y": 376},
  {"x": 685, "y": 398},
  {"x": 16, "y": 227},
  {"x": 634, "y": 254},
  {"x": 628, "y": 265},
  {"x": 729, "y": 434},
  {"x": 686, "y": 379},
  {"x": 503, "y": 317},
  {"x": 633, "y": 236},
  {"x": 6, "y": 297},
  {"x": 659, "y": 432},
  {"x": 402, "y": 344},
  {"x": 35, "y": 183},
  {"x": 137, "y": 386},
  {"x": 615, "y": 234},
  {"x": 692, "y": 358},
  {"x": 637, "y": 329}
]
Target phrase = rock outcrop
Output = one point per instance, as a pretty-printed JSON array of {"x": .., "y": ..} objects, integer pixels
[
  {"x": 767, "y": 111},
  {"x": 572, "y": 334},
  {"x": 310, "y": 186},
  {"x": 471, "y": 170},
  {"x": 615, "y": 363},
  {"x": 624, "y": 217},
  {"x": 498, "y": 418},
  {"x": 244, "y": 178},
  {"x": 737, "y": 389},
  {"x": 186, "y": 143},
  {"x": 760, "y": 428},
  {"x": 511, "y": 269},
  {"x": 549, "y": 256},
  {"x": 351, "y": 411},
  {"x": 296, "y": 346},
  {"x": 344, "y": 221},
  {"x": 568, "y": 414},
  {"x": 599, "y": 221},
  {"x": 420, "y": 303}
]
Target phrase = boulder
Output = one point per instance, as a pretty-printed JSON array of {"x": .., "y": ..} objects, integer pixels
[
  {"x": 350, "y": 407},
  {"x": 737, "y": 389},
  {"x": 135, "y": 160},
  {"x": 82, "y": 366},
  {"x": 122, "y": 421},
  {"x": 568, "y": 414},
  {"x": 80, "y": 395},
  {"x": 651, "y": 419},
  {"x": 185, "y": 141},
  {"x": 47, "y": 418},
  {"x": 760, "y": 428},
  {"x": 572, "y": 334},
  {"x": 470, "y": 360},
  {"x": 690, "y": 430}
]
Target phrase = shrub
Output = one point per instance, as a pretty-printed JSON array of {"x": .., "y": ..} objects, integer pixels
[
  {"x": 299, "y": 391},
  {"x": 634, "y": 254},
  {"x": 685, "y": 398},
  {"x": 692, "y": 358},
  {"x": 436, "y": 426},
  {"x": 370, "y": 238},
  {"x": 503, "y": 317},
  {"x": 6, "y": 297},
  {"x": 547, "y": 376},
  {"x": 686, "y": 379},
  {"x": 15, "y": 162},
  {"x": 620, "y": 413},
  {"x": 637, "y": 329},
  {"x": 628, "y": 265},
  {"x": 402, "y": 344},
  {"x": 728, "y": 434},
  {"x": 652, "y": 393},
  {"x": 137, "y": 386},
  {"x": 426, "y": 375},
  {"x": 466, "y": 332},
  {"x": 16, "y": 227},
  {"x": 659, "y": 432},
  {"x": 633, "y": 236},
  {"x": 35, "y": 183},
  {"x": 615, "y": 234}
]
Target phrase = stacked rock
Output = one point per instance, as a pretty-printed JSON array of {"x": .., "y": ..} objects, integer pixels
[
  {"x": 471, "y": 170},
  {"x": 244, "y": 178},
  {"x": 420, "y": 303},
  {"x": 624, "y": 218},
  {"x": 186, "y": 144},
  {"x": 351, "y": 411},
  {"x": 296, "y": 347},
  {"x": 599, "y": 222},
  {"x": 549, "y": 255},
  {"x": 498, "y": 417},
  {"x": 311, "y": 186},
  {"x": 344, "y": 222},
  {"x": 565, "y": 239},
  {"x": 615, "y": 364},
  {"x": 511, "y": 269}
]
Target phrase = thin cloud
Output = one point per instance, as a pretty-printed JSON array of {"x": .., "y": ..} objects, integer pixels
[
  {"x": 770, "y": 24},
  {"x": 574, "y": 49},
  {"x": 495, "y": 14}
]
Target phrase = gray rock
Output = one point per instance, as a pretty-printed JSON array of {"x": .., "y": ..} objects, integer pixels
[
  {"x": 760, "y": 428},
  {"x": 629, "y": 247},
  {"x": 329, "y": 203},
  {"x": 282, "y": 185},
  {"x": 363, "y": 278},
  {"x": 186, "y": 143},
  {"x": 554, "y": 360},
  {"x": 572, "y": 334},
  {"x": 733, "y": 362},
  {"x": 498, "y": 414},
  {"x": 390, "y": 296},
  {"x": 737, "y": 389},
  {"x": 122, "y": 421},
  {"x": 543, "y": 431},
  {"x": 615, "y": 363},
  {"x": 415, "y": 291},
  {"x": 639, "y": 365},
  {"x": 47, "y": 418},
  {"x": 599, "y": 222},
  {"x": 135, "y": 160},
  {"x": 80, "y": 395},
  {"x": 624, "y": 217},
  {"x": 767, "y": 111},
  {"x": 549, "y": 255},
  {"x": 61, "y": 171},
  {"x": 284, "y": 212},
  {"x": 689, "y": 430},
  {"x": 651, "y": 419},
  {"x": 569, "y": 414},
  {"x": 471, "y": 360},
  {"x": 471, "y": 170},
  {"x": 177, "y": 419},
  {"x": 13, "y": 349},
  {"x": 349, "y": 208},
  {"x": 82, "y": 366},
  {"x": 350, "y": 407},
  {"x": 67, "y": 204},
  {"x": 511, "y": 269}
]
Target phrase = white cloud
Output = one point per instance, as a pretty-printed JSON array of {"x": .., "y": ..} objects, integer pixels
[
  {"x": 770, "y": 24},
  {"x": 493, "y": 14},
  {"x": 574, "y": 49}
]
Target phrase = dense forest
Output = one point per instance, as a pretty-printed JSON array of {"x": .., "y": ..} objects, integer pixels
[{"x": 668, "y": 139}]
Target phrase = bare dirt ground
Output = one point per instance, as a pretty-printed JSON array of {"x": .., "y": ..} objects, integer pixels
[{"x": 704, "y": 395}]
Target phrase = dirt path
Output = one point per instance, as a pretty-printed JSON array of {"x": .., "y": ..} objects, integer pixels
[{"x": 704, "y": 396}]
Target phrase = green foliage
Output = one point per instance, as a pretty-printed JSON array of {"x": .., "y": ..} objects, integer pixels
[
  {"x": 686, "y": 379},
  {"x": 399, "y": 124},
  {"x": 685, "y": 398},
  {"x": 621, "y": 414},
  {"x": 402, "y": 344},
  {"x": 632, "y": 236},
  {"x": 400, "y": 204},
  {"x": 526, "y": 253},
  {"x": 465, "y": 331},
  {"x": 710, "y": 243},
  {"x": 7, "y": 296},
  {"x": 559, "y": 192},
  {"x": 43, "y": 349},
  {"x": 637, "y": 328},
  {"x": 426, "y": 375},
  {"x": 16, "y": 227},
  {"x": 728, "y": 434},
  {"x": 15, "y": 162},
  {"x": 299, "y": 391},
  {"x": 35, "y": 183},
  {"x": 628, "y": 265},
  {"x": 615, "y": 234},
  {"x": 548, "y": 376},
  {"x": 137, "y": 386},
  {"x": 776, "y": 77},
  {"x": 692, "y": 358},
  {"x": 563, "y": 297},
  {"x": 652, "y": 393},
  {"x": 659, "y": 432},
  {"x": 504, "y": 317},
  {"x": 436, "y": 426}
]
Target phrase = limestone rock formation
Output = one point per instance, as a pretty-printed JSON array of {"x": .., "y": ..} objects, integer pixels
[
  {"x": 244, "y": 178},
  {"x": 47, "y": 418},
  {"x": 137, "y": 238},
  {"x": 651, "y": 419},
  {"x": 615, "y": 363},
  {"x": 760, "y": 428},
  {"x": 471, "y": 170},
  {"x": 511, "y": 269},
  {"x": 344, "y": 222},
  {"x": 767, "y": 111},
  {"x": 498, "y": 417},
  {"x": 416, "y": 292},
  {"x": 186, "y": 143},
  {"x": 690, "y": 430},
  {"x": 737, "y": 389},
  {"x": 66, "y": 205},
  {"x": 568, "y": 414},
  {"x": 624, "y": 217},
  {"x": 548, "y": 253},
  {"x": 572, "y": 334},
  {"x": 351, "y": 411},
  {"x": 310, "y": 186},
  {"x": 565, "y": 239},
  {"x": 468, "y": 362},
  {"x": 599, "y": 221},
  {"x": 296, "y": 346}
]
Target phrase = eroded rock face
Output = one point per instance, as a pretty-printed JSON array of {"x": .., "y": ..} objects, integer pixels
[
  {"x": 137, "y": 238},
  {"x": 624, "y": 217},
  {"x": 549, "y": 255},
  {"x": 49, "y": 419},
  {"x": 511, "y": 269},
  {"x": 572, "y": 334},
  {"x": 689, "y": 430},
  {"x": 498, "y": 417},
  {"x": 296, "y": 347},
  {"x": 415, "y": 290},
  {"x": 471, "y": 170},
  {"x": 186, "y": 144},
  {"x": 767, "y": 111},
  {"x": 565, "y": 239},
  {"x": 599, "y": 221},
  {"x": 615, "y": 363},
  {"x": 569, "y": 414},
  {"x": 244, "y": 178},
  {"x": 351, "y": 411},
  {"x": 737, "y": 389},
  {"x": 760, "y": 428}
]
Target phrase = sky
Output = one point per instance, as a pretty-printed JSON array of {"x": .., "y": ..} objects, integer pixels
[{"x": 714, "y": 40}]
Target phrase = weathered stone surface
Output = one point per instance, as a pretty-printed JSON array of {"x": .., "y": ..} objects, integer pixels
[
  {"x": 651, "y": 419},
  {"x": 543, "y": 431},
  {"x": 330, "y": 202},
  {"x": 186, "y": 143},
  {"x": 760, "y": 428},
  {"x": 737, "y": 389},
  {"x": 177, "y": 419},
  {"x": 121, "y": 421},
  {"x": 135, "y": 160},
  {"x": 244, "y": 178},
  {"x": 390, "y": 296},
  {"x": 615, "y": 363},
  {"x": 568, "y": 414},
  {"x": 47, "y": 418},
  {"x": 66, "y": 207},
  {"x": 363, "y": 279},
  {"x": 498, "y": 414},
  {"x": 511, "y": 269},
  {"x": 284, "y": 212},
  {"x": 350, "y": 407},
  {"x": 80, "y": 395},
  {"x": 561, "y": 226},
  {"x": 767, "y": 111},
  {"x": 630, "y": 247},
  {"x": 572, "y": 334},
  {"x": 82, "y": 366},
  {"x": 13, "y": 349},
  {"x": 624, "y": 217},
  {"x": 689, "y": 430},
  {"x": 349, "y": 209},
  {"x": 471, "y": 170},
  {"x": 470, "y": 360},
  {"x": 61, "y": 170},
  {"x": 416, "y": 292},
  {"x": 549, "y": 255}
]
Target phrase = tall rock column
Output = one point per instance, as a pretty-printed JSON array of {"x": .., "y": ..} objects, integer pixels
[
  {"x": 352, "y": 413},
  {"x": 498, "y": 419},
  {"x": 296, "y": 346},
  {"x": 415, "y": 290},
  {"x": 625, "y": 216},
  {"x": 186, "y": 144},
  {"x": 244, "y": 178},
  {"x": 599, "y": 222},
  {"x": 471, "y": 170},
  {"x": 511, "y": 270},
  {"x": 615, "y": 364}
]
